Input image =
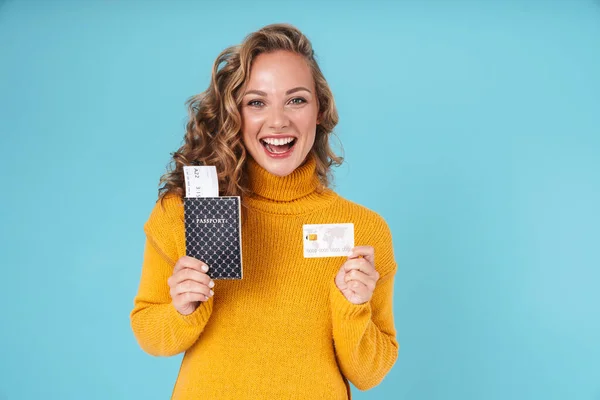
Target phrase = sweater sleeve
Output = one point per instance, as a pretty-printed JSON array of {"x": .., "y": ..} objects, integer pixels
[
  {"x": 158, "y": 327},
  {"x": 364, "y": 335}
]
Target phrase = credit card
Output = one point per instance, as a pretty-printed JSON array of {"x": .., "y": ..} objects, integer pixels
[{"x": 327, "y": 240}]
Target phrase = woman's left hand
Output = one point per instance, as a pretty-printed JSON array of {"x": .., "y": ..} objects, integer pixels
[{"x": 357, "y": 278}]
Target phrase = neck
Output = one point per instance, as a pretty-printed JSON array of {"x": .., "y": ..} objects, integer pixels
[{"x": 298, "y": 192}]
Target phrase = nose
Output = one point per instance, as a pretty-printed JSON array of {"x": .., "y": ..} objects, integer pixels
[{"x": 278, "y": 119}]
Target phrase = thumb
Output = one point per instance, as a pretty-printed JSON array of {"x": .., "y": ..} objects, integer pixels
[{"x": 339, "y": 279}]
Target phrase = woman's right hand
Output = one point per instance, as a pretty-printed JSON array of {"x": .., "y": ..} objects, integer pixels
[{"x": 189, "y": 284}]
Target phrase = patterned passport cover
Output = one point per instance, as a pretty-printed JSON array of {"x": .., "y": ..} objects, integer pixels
[{"x": 213, "y": 234}]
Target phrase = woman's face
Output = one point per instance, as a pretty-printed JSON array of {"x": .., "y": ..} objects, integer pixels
[{"x": 279, "y": 112}]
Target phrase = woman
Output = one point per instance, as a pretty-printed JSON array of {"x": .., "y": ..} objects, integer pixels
[{"x": 293, "y": 327}]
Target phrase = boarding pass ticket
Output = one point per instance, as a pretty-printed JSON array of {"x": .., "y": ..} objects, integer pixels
[
  {"x": 328, "y": 240},
  {"x": 201, "y": 181}
]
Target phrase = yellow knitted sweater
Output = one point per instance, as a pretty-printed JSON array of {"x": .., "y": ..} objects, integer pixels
[{"x": 284, "y": 331}]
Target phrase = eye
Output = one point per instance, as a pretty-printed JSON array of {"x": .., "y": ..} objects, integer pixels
[
  {"x": 255, "y": 103},
  {"x": 298, "y": 100}
]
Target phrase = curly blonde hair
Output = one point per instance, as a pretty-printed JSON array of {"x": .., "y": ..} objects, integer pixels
[{"x": 213, "y": 132}]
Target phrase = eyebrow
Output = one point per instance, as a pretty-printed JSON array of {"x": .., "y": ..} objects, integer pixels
[{"x": 261, "y": 93}]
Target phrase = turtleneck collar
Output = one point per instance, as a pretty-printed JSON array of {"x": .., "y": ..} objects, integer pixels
[{"x": 296, "y": 193}]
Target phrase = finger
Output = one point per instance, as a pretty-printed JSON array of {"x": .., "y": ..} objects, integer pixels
[
  {"x": 356, "y": 275},
  {"x": 189, "y": 297},
  {"x": 361, "y": 264},
  {"x": 360, "y": 289},
  {"x": 192, "y": 275},
  {"x": 367, "y": 252},
  {"x": 190, "y": 287},
  {"x": 190, "y": 262}
]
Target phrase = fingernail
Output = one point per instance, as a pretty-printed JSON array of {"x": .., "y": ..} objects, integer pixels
[
  {"x": 211, "y": 284},
  {"x": 212, "y": 293},
  {"x": 205, "y": 268}
]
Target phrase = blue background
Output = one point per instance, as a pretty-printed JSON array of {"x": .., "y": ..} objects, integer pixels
[{"x": 472, "y": 127}]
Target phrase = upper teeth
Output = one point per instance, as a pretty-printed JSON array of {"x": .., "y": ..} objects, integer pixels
[{"x": 278, "y": 142}]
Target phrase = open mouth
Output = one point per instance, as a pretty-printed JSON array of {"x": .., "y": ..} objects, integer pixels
[{"x": 279, "y": 145}]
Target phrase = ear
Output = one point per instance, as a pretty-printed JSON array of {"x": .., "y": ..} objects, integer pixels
[{"x": 320, "y": 112}]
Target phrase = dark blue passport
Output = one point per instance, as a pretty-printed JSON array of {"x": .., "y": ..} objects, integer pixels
[{"x": 213, "y": 234}]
